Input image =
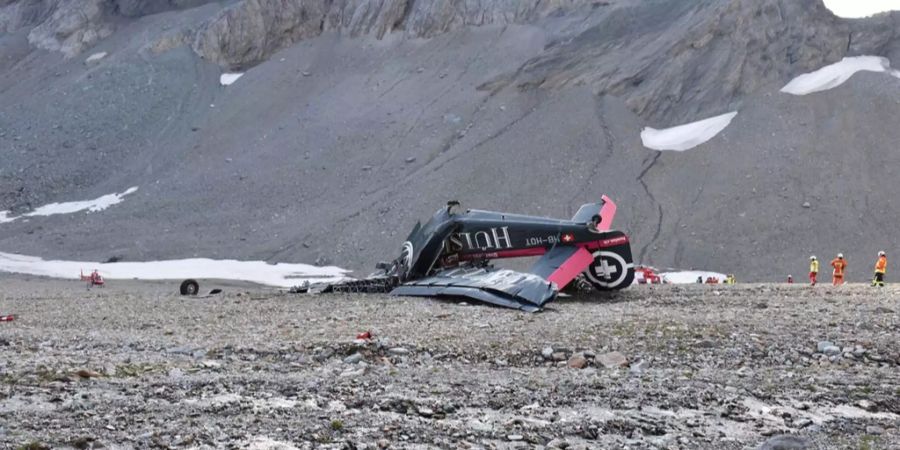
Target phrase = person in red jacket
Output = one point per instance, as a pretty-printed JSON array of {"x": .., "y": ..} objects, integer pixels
[
  {"x": 840, "y": 267},
  {"x": 813, "y": 270}
]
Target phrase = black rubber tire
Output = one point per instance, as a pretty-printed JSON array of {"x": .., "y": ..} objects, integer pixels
[{"x": 189, "y": 287}]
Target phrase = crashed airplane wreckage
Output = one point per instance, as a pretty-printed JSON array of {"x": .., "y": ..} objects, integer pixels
[{"x": 450, "y": 256}]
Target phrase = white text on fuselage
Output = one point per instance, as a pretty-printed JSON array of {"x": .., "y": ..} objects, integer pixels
[
  {"x": 538, "y": 241},
  {"x": 497, "y": 238}
]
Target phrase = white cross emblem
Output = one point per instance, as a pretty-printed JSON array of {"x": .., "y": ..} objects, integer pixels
[
  {"x": 608, "y": 270},
  {"x": 606, "y": 275}
]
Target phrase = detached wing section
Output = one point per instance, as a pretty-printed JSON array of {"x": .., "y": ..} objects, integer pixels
[
  {"x": 499, "y": 287},
  {"x": 562, "y": 264}
]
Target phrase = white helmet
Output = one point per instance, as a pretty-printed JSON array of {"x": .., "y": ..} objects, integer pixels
[
  {"x": 812, "y": 258},
  {"x": 841, "y": 255},
  {"x": 881, "y": 253}
]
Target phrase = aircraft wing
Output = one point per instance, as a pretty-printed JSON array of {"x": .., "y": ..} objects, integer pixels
[
  {"x": 500, "y": 287},
  {"x": 562, "y": 264}
]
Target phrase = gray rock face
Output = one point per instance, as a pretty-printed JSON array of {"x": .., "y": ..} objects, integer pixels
[
  {"x": 875, "y": 36},
  {"x": 15, "y": 14},
  {"x": 137, "y": 8},
  {"x": 717, "y": 52},
  {"x": 251, "y": 30},
  {"x": 248, "y": 32},
  {"x": 427, "y": 18},
  {"x": 71, "y": 26}
]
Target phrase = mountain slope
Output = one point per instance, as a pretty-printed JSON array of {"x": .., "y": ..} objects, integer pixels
[{"x": 354, "y": 119}]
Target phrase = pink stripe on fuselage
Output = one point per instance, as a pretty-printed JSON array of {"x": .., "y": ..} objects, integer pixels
[
  {"x": 517, "y": 253},
  {"x": 607, "y": 214},
  {"x": 570, "y": 269}
]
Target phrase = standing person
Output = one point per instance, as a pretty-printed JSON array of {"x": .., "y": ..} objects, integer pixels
[
  {"x": 840, "y": 266},
  {"x": 880, "y": 269},
  {"x": 813, "y": 270}
]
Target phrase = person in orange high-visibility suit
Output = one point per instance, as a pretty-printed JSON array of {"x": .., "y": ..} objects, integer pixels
[
  {"x": 880, "y": 270},
  {"x": 840, "y": 266}
]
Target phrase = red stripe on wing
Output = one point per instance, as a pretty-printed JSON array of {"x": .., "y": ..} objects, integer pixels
[{"x": 577, "y": 263}]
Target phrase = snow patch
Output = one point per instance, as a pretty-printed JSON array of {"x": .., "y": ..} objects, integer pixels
[
  {"x": 690, "y": 276},
  {"x": 95, "y": 57},
  {"x": 856, "y": 9},
  {"x": 98, "y": 204},
  {"x": 280, "y": 275},
  {"x": 227, "y": 79},
  {"x": 834, "y": 75},
  {"x": 684, "y": 137}
]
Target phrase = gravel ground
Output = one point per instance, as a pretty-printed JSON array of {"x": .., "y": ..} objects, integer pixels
[{"x": 134, "y": 366}]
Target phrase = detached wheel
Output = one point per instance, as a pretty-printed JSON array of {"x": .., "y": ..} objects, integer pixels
[{"x": 189, "y": 287}]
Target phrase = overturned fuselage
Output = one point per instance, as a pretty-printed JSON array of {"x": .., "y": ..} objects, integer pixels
[{"x": 450, "y": 255}]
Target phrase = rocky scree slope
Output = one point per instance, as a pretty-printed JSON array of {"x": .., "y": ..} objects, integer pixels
[{"x": 357, "y": 117}]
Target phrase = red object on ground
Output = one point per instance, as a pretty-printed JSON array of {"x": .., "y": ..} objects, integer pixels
[
  {"x": 647, "y": 275},
  {"x": 94, "y": 279},
  {"x": 572, "y": 267},
  {"x": 364, "y": 335},
  {"x": 8, "y": 318}
]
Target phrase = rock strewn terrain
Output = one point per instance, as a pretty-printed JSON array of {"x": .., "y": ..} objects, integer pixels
[{"x": 132, "y": 366}]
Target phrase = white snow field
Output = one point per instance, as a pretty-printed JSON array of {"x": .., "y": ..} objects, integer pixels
[
  {"x": 95, "y": 57},
  {"x": 98, "y": 204},
  {"x": 854, "y": 9},
  {"x": 834, "y": 75},
  {"x": 690, "y": 276},
  {"x": 684, "y": 137},
  {"x": 227, "y": 79},
  {"x": 280, "y": 275}
]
